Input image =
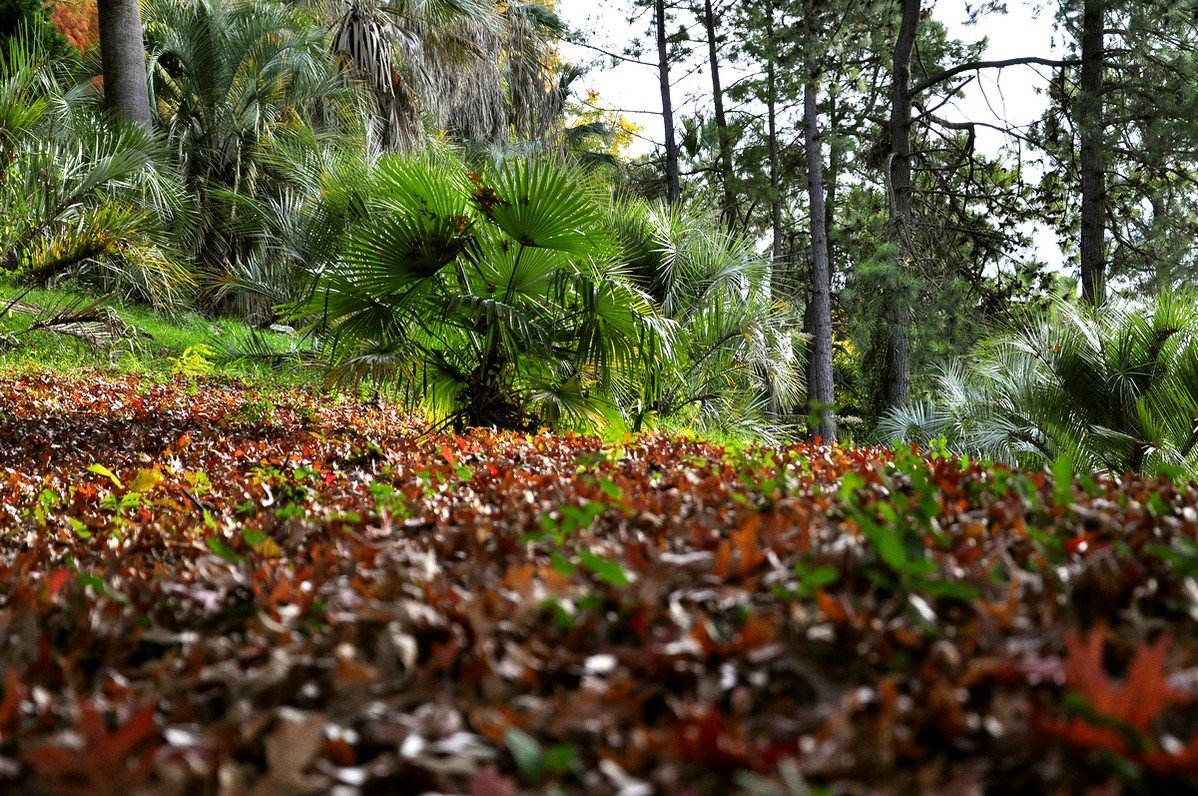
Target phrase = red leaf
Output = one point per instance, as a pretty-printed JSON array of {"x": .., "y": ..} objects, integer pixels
[
  {"x": 14, "y": 691},
  {"x": 711, "y": 740},
  {"x": 55, "y": 581},
  {"x": 105, "y": 762}
]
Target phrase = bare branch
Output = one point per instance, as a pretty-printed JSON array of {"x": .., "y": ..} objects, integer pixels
[
  {"x": 625, "y": 58},
  {"x": 974, "y": 66}
]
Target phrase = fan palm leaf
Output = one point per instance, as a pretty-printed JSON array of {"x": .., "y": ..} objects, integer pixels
[{"x": 481, "y": 314}]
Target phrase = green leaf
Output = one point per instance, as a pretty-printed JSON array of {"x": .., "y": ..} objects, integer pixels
[
  {"x": 890, "y": 549},
  {"x": 604, "y": 568},
  {"x": 254, "y": 536},
  {"x": 1183, "y": 561},
  {"x": 559, "y": 759},
  {"x": 1157, "y": 505},
  {"x": 560, "y": 563},
  {"x": 101, "y": 470},
  {"x": 95, "y": 581},
  {"x": 100, "y": 586},
  {"x": 949, "y": 589},
  {"x": 611, "y": 489},
  {"x": 527, "y": 753},
  {"x": 818, "y": 578},
  {"x": 417, "y": 224},
  {"x": 1062, "y": 475},
  {"x": 220, "y": 548},
  {"x": 541, "y": 204},
  {"x": 563, "y": 617},
  {"x": 850, "y": 483}
]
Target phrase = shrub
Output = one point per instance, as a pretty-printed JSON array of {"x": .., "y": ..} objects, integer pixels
[
  {"x": 81, "y": 193},
  {"x": 1114, "y": 389},
  {"x": 491, "y": 298},
  {"x": 736, "y": 363}
]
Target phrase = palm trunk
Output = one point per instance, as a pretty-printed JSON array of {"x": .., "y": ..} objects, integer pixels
[
  {"x": 898, "y": 302},
  {"x": 123, "y": 60},
  {"x": 728, "y": 213},
  {"x": 673, "y": 181},
  {"x": 820, "y": 390},
  {"x": 1090, "y": 125}
]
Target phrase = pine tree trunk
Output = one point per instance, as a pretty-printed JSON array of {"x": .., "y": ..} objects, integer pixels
[
  {"x": 898, "y": 303},
  {"x": 673, "y": 181},
  {"x": 123, "y": 60},
  {"x": 821, "y": 394},
  {"x": 772, "y": 115},
  {"x": 1090, "y": 124},
  {"x": 832, "y": 179},
  {"x": 728, "y": 213}
]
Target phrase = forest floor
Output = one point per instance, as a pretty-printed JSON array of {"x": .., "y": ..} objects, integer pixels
[{"x": 207, "y": 587}]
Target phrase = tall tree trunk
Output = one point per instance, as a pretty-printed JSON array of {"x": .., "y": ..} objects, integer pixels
[
  {"x": 832, "y": 180},
  {"x": 123, "y": 60},
  {"x": 821, "y": 395},
  {"x": 897, "y": 391},
  {"x": 1090, "y": 125},
  {"x": 1162, "y": 278},
  {"x": 673, "y": 181},
  {"x": 728, "y": 212},
  {"x": 771, "y": 103}
]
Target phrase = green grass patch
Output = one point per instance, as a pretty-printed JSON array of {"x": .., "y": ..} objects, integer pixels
[{"x": 37, "y": 333}]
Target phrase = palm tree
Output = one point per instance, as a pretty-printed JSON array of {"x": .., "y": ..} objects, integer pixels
[
  {"x": 254, "y": 109},
  {"x": 490, "y": 298},
  {"x": 475, "y": 69},
  {"x": 1115, "y": 389},
  {"x": 81, "y": 191},
  {"x": 736, "y": 364},
  {"x": 123, "y": 55}
]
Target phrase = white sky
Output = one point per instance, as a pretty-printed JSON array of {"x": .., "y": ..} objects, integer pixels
[{"x": 1010, "y": 94}]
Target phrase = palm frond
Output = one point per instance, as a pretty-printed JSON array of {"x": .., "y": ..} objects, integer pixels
[
  {"x": 1117, "y": 389},
  {"x": 541, "y": 204}
]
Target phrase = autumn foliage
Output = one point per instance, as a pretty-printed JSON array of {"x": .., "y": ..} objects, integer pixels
[
  {"x": 209, "y": 588},
  {"x": 1120, "y": 717},
  {"x": 78, "y": 22}
]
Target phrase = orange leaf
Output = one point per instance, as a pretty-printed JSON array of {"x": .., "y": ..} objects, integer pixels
[
  {"x": 748, "y": 545},
  {"x": 1147, "y": 692},
  {"x": 1140, "y": 700},
  {"x": 722, "y": 566},
  {"x": 831, "y": 607}
]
